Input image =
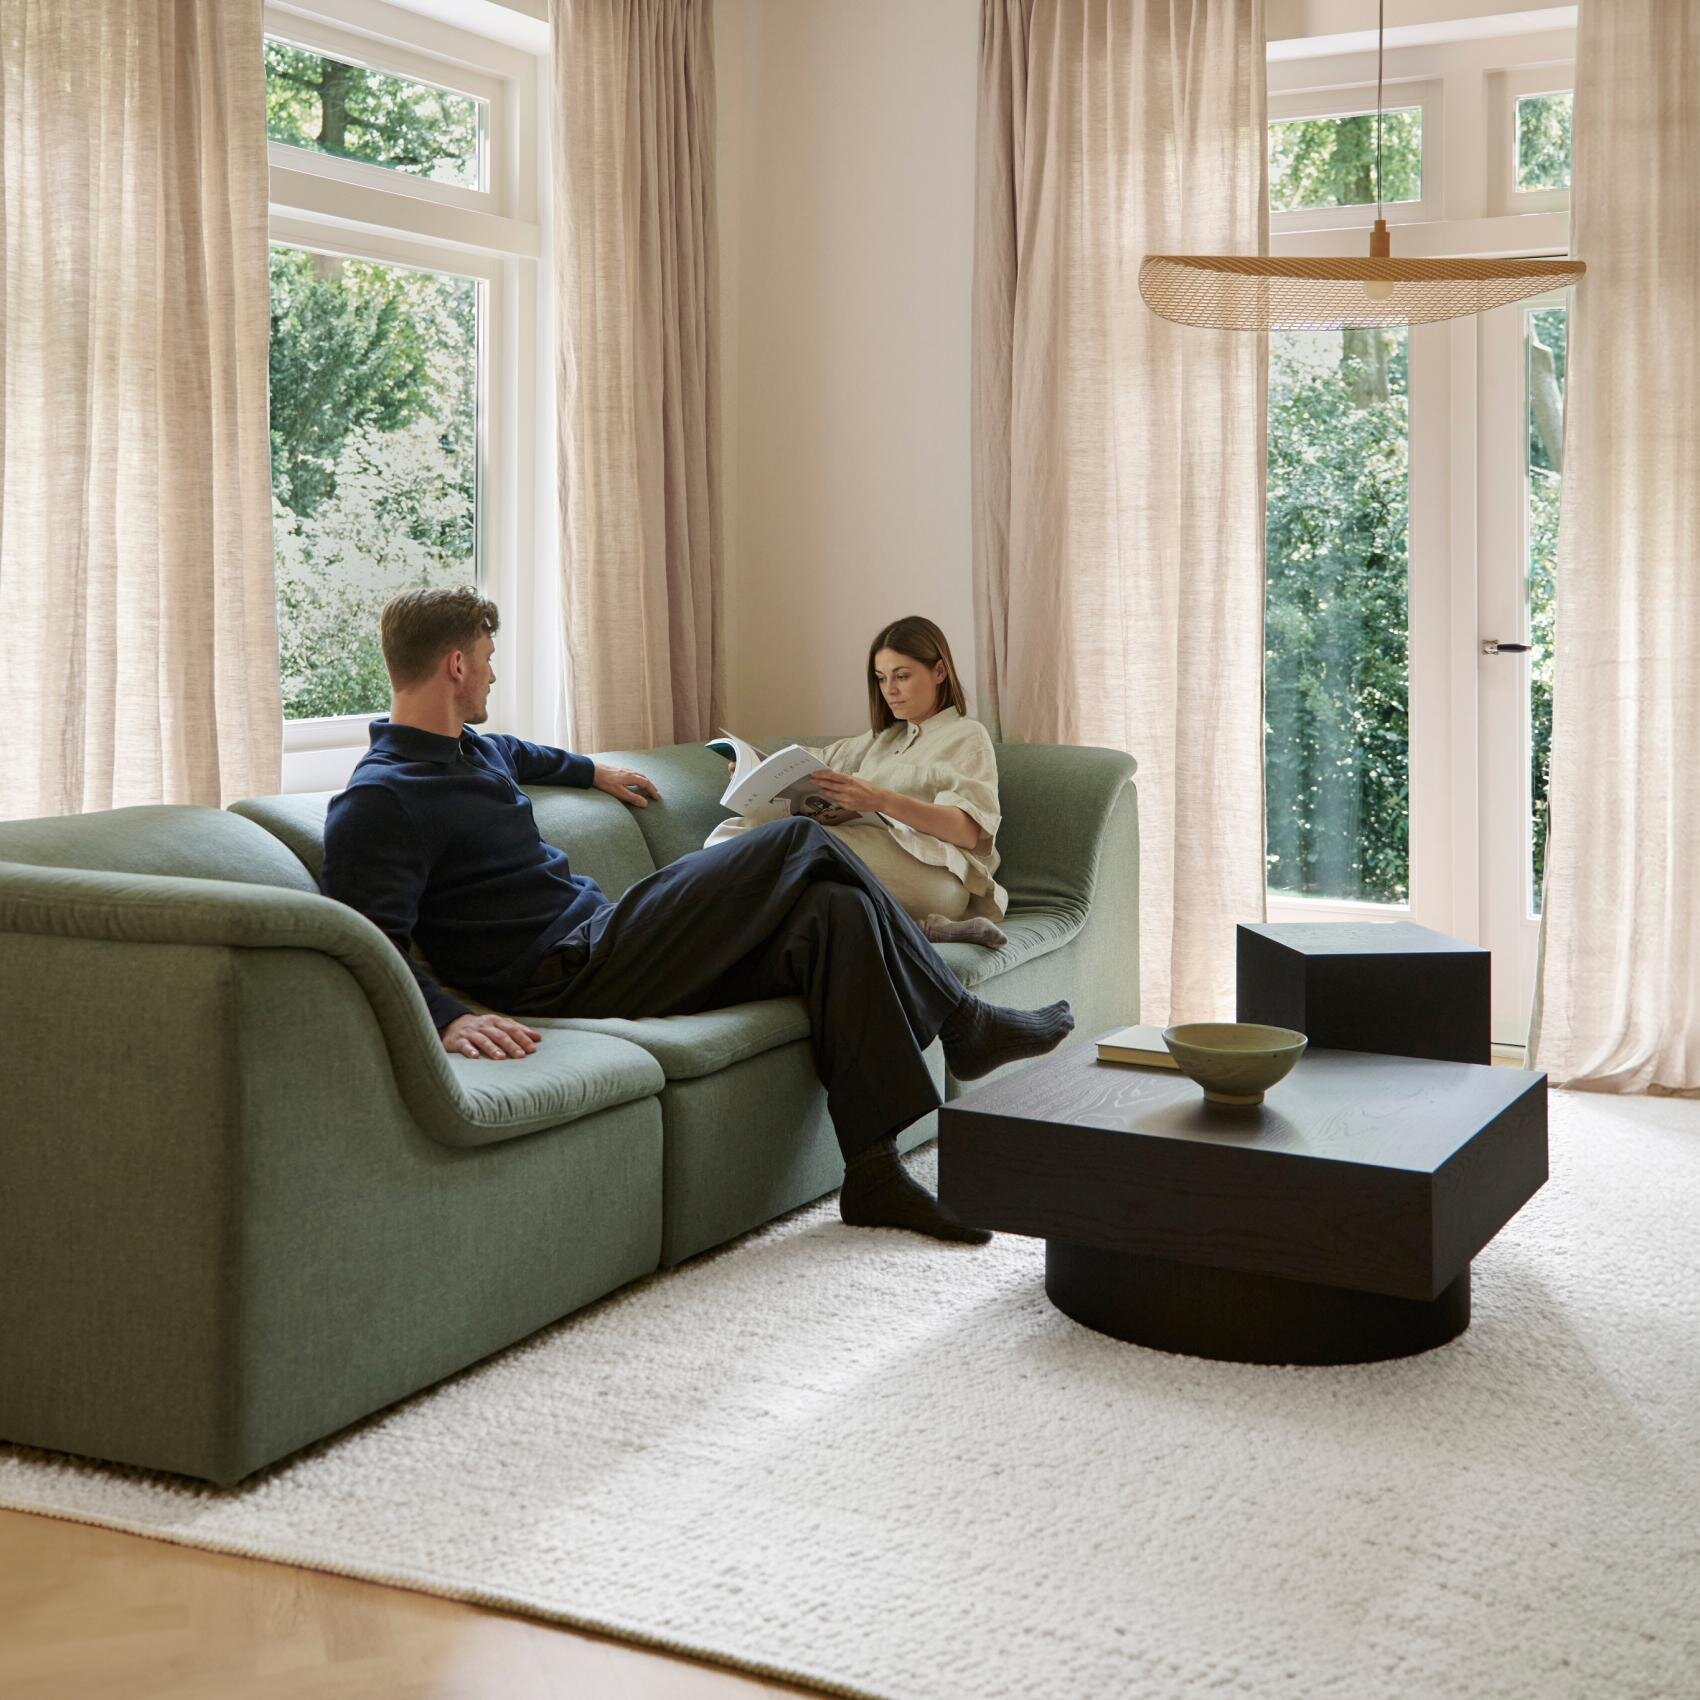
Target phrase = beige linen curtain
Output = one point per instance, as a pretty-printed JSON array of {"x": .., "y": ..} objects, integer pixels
[
  {"x": 638, "y": 369},
  {"x": 1619, "y": 1005},
  {"x": 136, "y": 590},
  {"x": 1118, "y": 459}
]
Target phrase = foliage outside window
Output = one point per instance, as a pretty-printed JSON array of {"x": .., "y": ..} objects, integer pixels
[
  {"x": 374, "y": 390},
  {"x": 1336, "y": 765},
  {"x": 374, "y": 386},
  {"x": 1330, "y": 162},
  {"x": 328, "y": 106},
  {"x": 1546, "y": 343},
  {"x": 1543, "y": 141}
]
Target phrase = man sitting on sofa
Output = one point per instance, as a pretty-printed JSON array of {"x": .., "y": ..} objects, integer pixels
[{"x": 435, "y": 841}]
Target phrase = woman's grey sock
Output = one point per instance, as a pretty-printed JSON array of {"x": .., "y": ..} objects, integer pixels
[
  {"x": 980, "y": 1036},
  {"x": 878, "y": 1193},
  {"x": 940, "y": 929}
]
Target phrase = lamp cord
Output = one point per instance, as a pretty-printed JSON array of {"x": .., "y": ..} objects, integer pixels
[{"x": 1380, "y": 44}]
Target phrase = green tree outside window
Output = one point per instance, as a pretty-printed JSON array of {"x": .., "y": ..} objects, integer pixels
[
  {"x": 374, "y": 391},
  {"x": 348, "y": 111},
  {"x": 1543, "y": 141},
  {"x": 1330, "y": 162}
]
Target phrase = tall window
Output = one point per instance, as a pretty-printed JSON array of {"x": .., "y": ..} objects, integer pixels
[
  {"x": 1336, "y": 614},
  {"x": 1413, "y": 489},
  {"x": 403, "y": 227},
  {"x": 374, "y": 408},
  {"x": 1336, "y": 756}
]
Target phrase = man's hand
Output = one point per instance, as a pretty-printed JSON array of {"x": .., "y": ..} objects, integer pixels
[
  {"x": 849, "y": 792},
  {"x": 495, "y": 1036},
  {"x": 628, "y": 785}
]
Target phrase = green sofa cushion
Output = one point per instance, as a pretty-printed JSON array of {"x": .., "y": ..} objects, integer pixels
[
  {"x": 566, "y": 1077},
  {"x": 1031, "y": 932},
  {"x": 179, "y": 839},
  {"x": 688, "y": 1046}
]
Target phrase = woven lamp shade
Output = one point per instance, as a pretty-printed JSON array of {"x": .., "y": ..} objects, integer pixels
[{"x": 1266, "y": 294}]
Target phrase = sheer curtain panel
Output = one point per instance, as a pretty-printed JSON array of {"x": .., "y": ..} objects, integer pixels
[
  {"x": 1619, "y": 1002},
  {"x": 1118, "y": 458},
  {"x": 638, "y": 369},
  {"x": 135, "y": 489}
]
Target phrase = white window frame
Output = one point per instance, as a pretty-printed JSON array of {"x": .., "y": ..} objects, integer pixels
[
  {"x": 1472, "y": 207},
  {"x": 331, "y": 41},
  {"x": 1504, "y": 90},
  {"x": 1350, "y": 101},
  {"x": 496, "y": 236}
]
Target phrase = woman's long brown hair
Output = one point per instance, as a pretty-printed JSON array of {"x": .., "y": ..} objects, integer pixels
[{"x": 921, "y": 641}]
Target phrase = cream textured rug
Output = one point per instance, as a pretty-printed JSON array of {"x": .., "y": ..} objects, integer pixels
[{"x": 890, "y": 1468}]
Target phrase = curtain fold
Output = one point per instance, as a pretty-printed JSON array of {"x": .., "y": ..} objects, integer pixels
[
  {"x": 1118, "y": 458},
  {"x": 136, "y": 588},
  {"x": 1618, "y": 1007},
  {"x": 638, "y": 369}
]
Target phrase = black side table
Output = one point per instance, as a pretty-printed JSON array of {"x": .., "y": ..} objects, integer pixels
[{"x": 1390, "y": 987}]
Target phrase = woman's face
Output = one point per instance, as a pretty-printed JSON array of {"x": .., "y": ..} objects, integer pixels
[{"x": 910, "y": 687}]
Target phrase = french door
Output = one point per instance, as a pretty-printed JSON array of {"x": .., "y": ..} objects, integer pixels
[
  {"x": 1410, "y": 534},
  {"x": 1523, "y": 357}
]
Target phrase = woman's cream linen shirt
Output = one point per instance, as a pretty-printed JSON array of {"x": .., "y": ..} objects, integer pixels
[{"x": 944, "y": 759}]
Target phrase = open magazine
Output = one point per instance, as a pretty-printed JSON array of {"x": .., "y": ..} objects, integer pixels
[{"x": 779, "y": 783}]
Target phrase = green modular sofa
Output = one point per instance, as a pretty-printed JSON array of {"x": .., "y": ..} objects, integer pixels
[{"x": 245, "y": 1196}]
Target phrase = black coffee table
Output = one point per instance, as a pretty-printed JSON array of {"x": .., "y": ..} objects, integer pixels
[{"x": 1334, "y": 1223}]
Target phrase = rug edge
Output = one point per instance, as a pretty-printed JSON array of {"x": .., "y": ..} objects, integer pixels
[{"x": 421, "y": 1583}]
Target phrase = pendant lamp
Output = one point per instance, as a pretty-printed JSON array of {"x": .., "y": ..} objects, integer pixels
[{"x": 1263, "y": 293}]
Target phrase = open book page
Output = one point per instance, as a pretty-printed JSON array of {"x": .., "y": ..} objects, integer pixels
[
  {"x": 779, "y": 781},
  {"x": 745, "y": 757}
]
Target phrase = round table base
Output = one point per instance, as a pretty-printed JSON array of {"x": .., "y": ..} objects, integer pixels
[{"x": 1240, "y": 1318}]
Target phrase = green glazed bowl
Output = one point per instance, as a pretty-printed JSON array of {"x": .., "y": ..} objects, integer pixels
[{"x": 1235, "y": 1062}]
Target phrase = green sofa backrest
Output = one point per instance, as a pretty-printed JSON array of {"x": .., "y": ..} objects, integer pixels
[
  {"x": 690, "y": 778},
  {"x": 595, "y": 830},
  {"x": 1055, "y": 799},
  {"x": 174, "y": 838}
]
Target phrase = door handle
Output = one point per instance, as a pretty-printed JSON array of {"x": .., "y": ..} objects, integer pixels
[{"x": 1493, "y": 646}]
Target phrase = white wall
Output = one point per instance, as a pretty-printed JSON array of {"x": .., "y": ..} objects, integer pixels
[{"x": 846, "y": 202}]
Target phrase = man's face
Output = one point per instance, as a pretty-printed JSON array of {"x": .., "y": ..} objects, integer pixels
[{"x": 473, "y": 694}]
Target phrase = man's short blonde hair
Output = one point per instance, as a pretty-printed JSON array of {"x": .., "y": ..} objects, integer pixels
[{"x": 419, "y": 627}]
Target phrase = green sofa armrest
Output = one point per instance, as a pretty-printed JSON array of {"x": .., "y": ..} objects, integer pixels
[{"x": 457, "y": 1101}]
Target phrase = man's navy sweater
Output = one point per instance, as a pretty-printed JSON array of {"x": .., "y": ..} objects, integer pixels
[{"x": 435, "y": 842}]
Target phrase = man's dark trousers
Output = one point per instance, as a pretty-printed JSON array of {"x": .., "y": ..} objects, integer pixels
[{"x": 782, "y": 910}]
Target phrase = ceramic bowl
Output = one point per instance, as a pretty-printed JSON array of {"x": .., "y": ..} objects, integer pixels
[{"x": 1235, "y": 1062}]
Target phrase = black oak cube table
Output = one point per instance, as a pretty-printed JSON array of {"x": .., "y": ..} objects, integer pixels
[
  {"x": 1333, "y": 1223},
  {"x": 1386, "y": 986}
]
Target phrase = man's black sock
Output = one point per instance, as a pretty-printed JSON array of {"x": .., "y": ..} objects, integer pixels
[
  {"x": 980, "y": 1036},
  {"x": 878, "y": 1193}
]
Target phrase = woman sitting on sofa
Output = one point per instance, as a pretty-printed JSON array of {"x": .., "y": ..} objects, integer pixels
[{"x": 931, "y": 773}]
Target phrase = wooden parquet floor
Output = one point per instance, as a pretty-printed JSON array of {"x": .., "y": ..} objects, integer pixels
[{"x": 87, "y": 1614}]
